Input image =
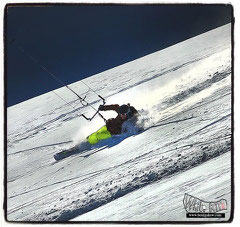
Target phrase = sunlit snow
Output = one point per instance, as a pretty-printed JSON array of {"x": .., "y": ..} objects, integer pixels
[{"x": 183, "y": 94}]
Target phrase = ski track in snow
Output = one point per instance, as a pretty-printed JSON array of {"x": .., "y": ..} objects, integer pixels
[{"x": 196, "y": 104}]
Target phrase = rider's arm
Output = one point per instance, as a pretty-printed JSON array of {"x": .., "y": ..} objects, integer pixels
[{"x": 109, "y": 107}]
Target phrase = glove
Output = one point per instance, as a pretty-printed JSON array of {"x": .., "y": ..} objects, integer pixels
[{"x": 101, "y": 107}]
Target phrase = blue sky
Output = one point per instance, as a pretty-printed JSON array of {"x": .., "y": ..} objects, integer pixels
[{"x": 77, "y": 41}]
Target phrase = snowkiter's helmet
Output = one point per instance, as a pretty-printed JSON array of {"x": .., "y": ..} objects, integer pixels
[{"x": 125, "y": 109}]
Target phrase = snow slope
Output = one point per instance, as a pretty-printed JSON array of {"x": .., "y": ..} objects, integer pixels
[{"x": 184, "y": 96}]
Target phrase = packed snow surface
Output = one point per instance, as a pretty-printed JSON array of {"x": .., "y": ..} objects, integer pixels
[{"x": 183, "y": 94}]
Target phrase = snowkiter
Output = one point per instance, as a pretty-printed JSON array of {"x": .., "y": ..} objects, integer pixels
[{"x": 113, "y": 125}]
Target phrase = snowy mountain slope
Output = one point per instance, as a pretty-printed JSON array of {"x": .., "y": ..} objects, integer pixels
[{"x": 184, "y": 96}]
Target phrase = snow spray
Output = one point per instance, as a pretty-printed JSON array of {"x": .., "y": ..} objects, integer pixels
[{"x": 86, "y": 130}]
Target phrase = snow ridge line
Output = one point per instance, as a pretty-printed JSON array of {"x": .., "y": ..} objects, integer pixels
[{"x": 181, "y": 160}]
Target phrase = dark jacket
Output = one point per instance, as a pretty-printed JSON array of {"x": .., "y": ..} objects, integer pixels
[{"x": 114, "y": 125}]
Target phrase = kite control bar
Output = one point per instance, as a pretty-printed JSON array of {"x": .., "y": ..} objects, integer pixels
[{"x": 97, "y": 111}]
